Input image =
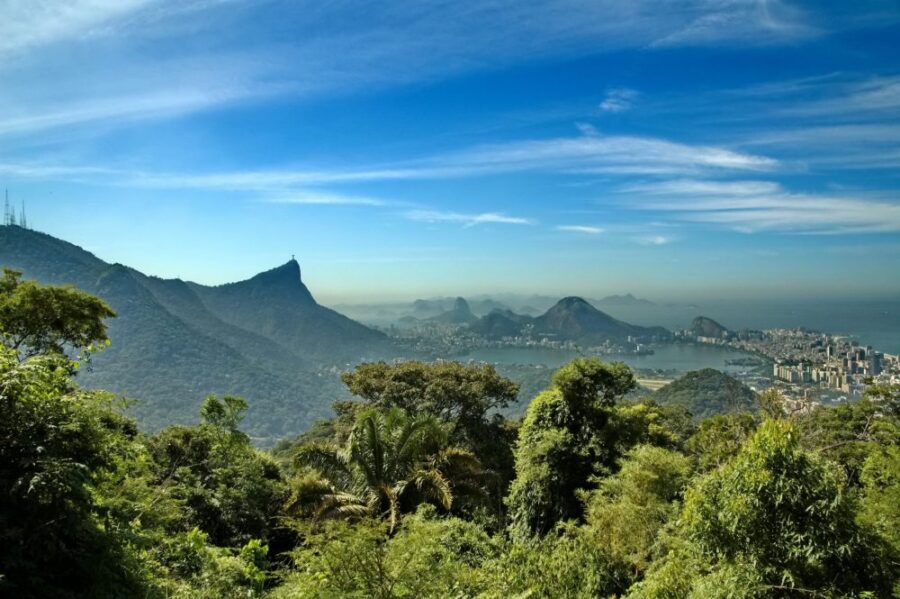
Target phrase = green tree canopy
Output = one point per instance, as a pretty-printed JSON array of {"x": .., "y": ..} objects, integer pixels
[
  {"x": 848, "y": 433},
  {"x": 773, "y": 519},
  {"x": 55, "y": 441},
  {"x": 719, "y": 438},
  {"x": 627, "y": 511},
  {"x": 453, "y": 392},
  {"x": 562, "y": 444},
  {"x": 463, "y": 396},
  {"x": 225, "y": 487},
  {"x": 390, "y": 464},
  {"x": 881, "y": 494},
  {"x": 37, "y": 319}
]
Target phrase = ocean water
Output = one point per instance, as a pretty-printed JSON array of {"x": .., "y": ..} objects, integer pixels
[
  {"x": 875, "y": 323},
  {"x": 681, "y": 357}
]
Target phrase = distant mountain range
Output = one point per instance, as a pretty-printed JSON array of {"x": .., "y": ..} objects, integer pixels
[
  {"x": 423, "y": 309},
  {"x": 480, "y": 306},
  {"x": 570, "y": 319},
  {"x": 460, "y": 313},
  {"x": 707, "y": 327},
  {"x": 265, "y": 338},
  {"x": 623, "y": 300}
]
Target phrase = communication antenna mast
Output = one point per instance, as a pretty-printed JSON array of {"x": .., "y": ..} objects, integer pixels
[
  {"x": 6, "y": 209},
  {"x": 22, "y": 221}
]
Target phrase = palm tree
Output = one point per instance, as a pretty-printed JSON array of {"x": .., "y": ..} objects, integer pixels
[{"x": 391, "y": 463}]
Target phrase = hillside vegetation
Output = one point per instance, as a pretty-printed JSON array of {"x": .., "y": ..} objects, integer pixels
[
  {"x": 265, "y": 338},
  {"x": 706, "y": 393},
  {"x": 415, "y": 488}
]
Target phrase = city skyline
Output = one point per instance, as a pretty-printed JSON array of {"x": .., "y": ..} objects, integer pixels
[{"x": 739, "y": 149}]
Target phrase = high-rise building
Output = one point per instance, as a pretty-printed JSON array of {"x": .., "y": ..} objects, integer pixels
[{"x": 876, "y": 363}]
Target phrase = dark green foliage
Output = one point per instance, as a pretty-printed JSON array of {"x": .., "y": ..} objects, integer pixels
[
  {"x": 887, "y": 396},
  {"x": 562, "y": 444},
  {"x": 224, "y": 486},
  {"x": 463, "y": 396},
  {"x": 707, "y": 393},
  {"x": 37, "y": 319},
  {"x": 55, "y": 441},
  {"x": 390, "y": 464},
  {"x": 719, "y": 438},
  {"x": 880, "y": 502},
  {"x": 848, "y": 434},
  {"x": 774, "y": 517},
  {"x": 569, "y": 563},
  {"x": 427, "y": 558},
  {"x": 610, "y": 498},
  {"x": 456, "y": 393}
]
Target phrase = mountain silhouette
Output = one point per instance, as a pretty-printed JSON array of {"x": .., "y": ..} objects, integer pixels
[{"x": 174, "y": 341}]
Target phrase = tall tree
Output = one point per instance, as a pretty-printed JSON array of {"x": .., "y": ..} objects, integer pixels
[
  {"x": 460, "y": 394},
  {"x": 55, "y": 440},
  {"x": 391, "y": 463},
  {"x": 562, "y": 444},
  {"x": 38, "y": 319}
]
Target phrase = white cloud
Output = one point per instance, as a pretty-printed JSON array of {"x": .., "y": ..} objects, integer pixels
[
  {"x": 654, "y": 239},
  {"x": 618, "y": 100},
  {"x": 30, "y": 23},
  {"x": 587, "y": 129},
  {"x": 467, "y": 220},
  {"x": 693, "y": 187},
  {"x": 606, "y": 154},
  {"x": 614, "y": 155},
  {"x": 754, "y": 22},
  {"x": 586, "y": 229},
  {"x": 752, "y": 206},
  {"x": 84, "y": 61},
  {"x": 326, "y": 198}
]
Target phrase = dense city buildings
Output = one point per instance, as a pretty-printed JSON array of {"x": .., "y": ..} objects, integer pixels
[{"x": 807, "y": 362}]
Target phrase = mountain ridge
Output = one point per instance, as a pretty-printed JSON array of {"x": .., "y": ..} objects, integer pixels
[
  {"x": 175, "y": 341},
  {"x": 572, "y": 318}
]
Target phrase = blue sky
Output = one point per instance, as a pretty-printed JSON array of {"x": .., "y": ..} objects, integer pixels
[{"x": 678, "y": 150}]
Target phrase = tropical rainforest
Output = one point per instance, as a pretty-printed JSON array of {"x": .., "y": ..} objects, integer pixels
[{"x": 419, "y": 487}]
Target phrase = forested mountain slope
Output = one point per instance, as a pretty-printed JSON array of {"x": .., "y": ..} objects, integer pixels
[{"x": 173, "y": 342}]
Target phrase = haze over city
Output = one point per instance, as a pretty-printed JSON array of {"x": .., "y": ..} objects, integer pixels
[{"x": 724, "y": 150}]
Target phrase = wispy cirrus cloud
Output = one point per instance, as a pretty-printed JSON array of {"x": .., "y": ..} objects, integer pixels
[
  {"x": 585, "y": 229},
  {"x": 325, "y": 198},
  {"x": 653, "y": 239},
  {"x": 467, "y": 220},
  {"x": 618, "y": 100},
  {"x": 597, "y": 153},
  {"x": 92, "y": 46},
  {"x": 31, "y": 23},
  {"x": 753, "y": 206},
  {"x": 594, "y": 153},
  {"x": 758, "y": 23}
]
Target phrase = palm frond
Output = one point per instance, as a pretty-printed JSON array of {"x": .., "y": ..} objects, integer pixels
[
  {"x": 365, "y": 448},
  {"x": 342, "y": 507},
  {"x": 392, "y": 506},
  {"x": 307, "y": 493},
  {"x": 330, "y": 461},
  {"x": 433, "y": 485}
]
